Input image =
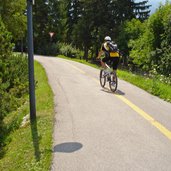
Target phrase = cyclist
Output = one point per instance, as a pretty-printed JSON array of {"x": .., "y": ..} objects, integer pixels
[{"x": 111, "y": 52}]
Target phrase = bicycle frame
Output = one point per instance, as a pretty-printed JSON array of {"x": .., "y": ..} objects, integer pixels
[{"x": 110, "y": 76}]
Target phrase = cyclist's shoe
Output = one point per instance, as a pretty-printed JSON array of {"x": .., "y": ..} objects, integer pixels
[{"x": 113, "y": 83}]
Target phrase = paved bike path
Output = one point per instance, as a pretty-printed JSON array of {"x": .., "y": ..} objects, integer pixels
[{"x": 98, "y": 130}]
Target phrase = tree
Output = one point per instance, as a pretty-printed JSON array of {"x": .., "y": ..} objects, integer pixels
[
  {"x": 46, "y": 19},
  {"x": 163, "y": 40},
  {"x": 14, "y": 18},
  {"x": 142, "y": 10},
  {"x": 54, "y": 19},
  {"x": 151, "y": 50},
  {"x": 129, "y": 30},
  {"x": 73, "y": 14},
  {"x": 40, "y": 25}
]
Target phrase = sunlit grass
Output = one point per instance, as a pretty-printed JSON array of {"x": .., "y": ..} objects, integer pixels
[
  {"x": 153, "y": 85},
  {"x": 30, "y": 147}
]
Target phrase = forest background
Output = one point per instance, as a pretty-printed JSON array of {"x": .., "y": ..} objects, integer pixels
[{"x": 79, "y": 27}]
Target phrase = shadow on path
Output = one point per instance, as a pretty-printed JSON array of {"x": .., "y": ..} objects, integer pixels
[
  {"x": 118, "y": 92},
  {"x": 68, "y": 147}
]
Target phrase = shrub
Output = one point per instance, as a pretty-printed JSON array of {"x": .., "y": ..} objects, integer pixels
[
  {"x": 152, "y": 45},
  {"x": 48, "y": 49},
  {"x": 69, "y": 50},
  {"x": 13, "y": 78}
]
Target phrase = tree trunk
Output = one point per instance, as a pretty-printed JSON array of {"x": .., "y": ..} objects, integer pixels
[
  {"x": 86, "y": 53},
  {"x": 21, "y": 45}
]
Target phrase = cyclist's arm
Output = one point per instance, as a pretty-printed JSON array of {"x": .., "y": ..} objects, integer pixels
[{"x": 100, "y": 53}]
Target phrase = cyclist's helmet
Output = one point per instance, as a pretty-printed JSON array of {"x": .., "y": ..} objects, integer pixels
[{"x": 107, "y": 38}]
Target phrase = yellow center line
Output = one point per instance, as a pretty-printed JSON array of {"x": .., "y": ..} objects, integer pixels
[
  {"x": 145, "y": 115},
  {"x": 78, "y": 69}
]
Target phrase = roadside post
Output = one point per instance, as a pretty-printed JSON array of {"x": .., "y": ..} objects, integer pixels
[{"x": 31, "y": 61}]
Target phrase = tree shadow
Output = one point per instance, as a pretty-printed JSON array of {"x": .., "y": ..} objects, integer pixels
[
  {"x": 68, "y": 147},
  {"x": 35, "y": 138},
  {"x": 3, "y": 137}
]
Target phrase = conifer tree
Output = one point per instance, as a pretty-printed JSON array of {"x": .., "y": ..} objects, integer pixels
[
  {"x": 74, "y": 13},
  {"x": 46, "y": 19},
  {"x": 142, "y": 11}
]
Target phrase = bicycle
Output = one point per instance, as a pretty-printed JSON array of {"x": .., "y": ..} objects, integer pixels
[{"x": 109, "y": 75}]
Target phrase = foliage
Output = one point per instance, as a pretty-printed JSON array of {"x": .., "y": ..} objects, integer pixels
[
  {"x": 48, "y": 49},
  {"x": 13, "y": 16},
  {"x": 141, "y": 49},
  {"x": 69, "y": 50},
  {"x": 13, "y": 77},
  {"x": 129, "y": 31},
  {"x": 150, "y": 48}
]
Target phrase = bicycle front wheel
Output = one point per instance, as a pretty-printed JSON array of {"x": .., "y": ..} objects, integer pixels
[
  {"x": 102, "y": 78},
  {"x": 113, "y": 84}
]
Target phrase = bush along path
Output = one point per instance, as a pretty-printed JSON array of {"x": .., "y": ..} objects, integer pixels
[{"x": 13, "y": 80}]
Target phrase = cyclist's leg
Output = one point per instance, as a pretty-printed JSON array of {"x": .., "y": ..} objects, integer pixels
[
  {"x": 103, "y": 62},
  {"x": 115, "y": 62},
  {"x": 114, "y": 81}
]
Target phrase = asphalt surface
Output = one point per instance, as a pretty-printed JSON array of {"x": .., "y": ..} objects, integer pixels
[{"x": 96, "y": 130}]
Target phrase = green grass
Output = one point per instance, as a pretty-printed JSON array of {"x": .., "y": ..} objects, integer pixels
[
  {"x": 152, "y": 86},
  {"x": 30, "y": 147}
]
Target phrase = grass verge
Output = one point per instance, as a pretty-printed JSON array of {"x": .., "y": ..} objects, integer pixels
[
  {"x": 152, "y": 86},
  {"x": 30, "y": 147}
]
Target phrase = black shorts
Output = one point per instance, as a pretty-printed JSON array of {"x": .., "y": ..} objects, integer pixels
[{"x": 114, "y": 60}]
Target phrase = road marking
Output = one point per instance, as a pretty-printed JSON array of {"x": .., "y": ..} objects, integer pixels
[
  {"x": 78, "y": 69},
  {"x": 83, "y": 72},
  {"x": 146, "y": 116}
]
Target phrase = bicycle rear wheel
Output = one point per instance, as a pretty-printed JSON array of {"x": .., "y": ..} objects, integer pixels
[
  {"x": 102, "y": 78},
  {"x": 113, "y": 84}
]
